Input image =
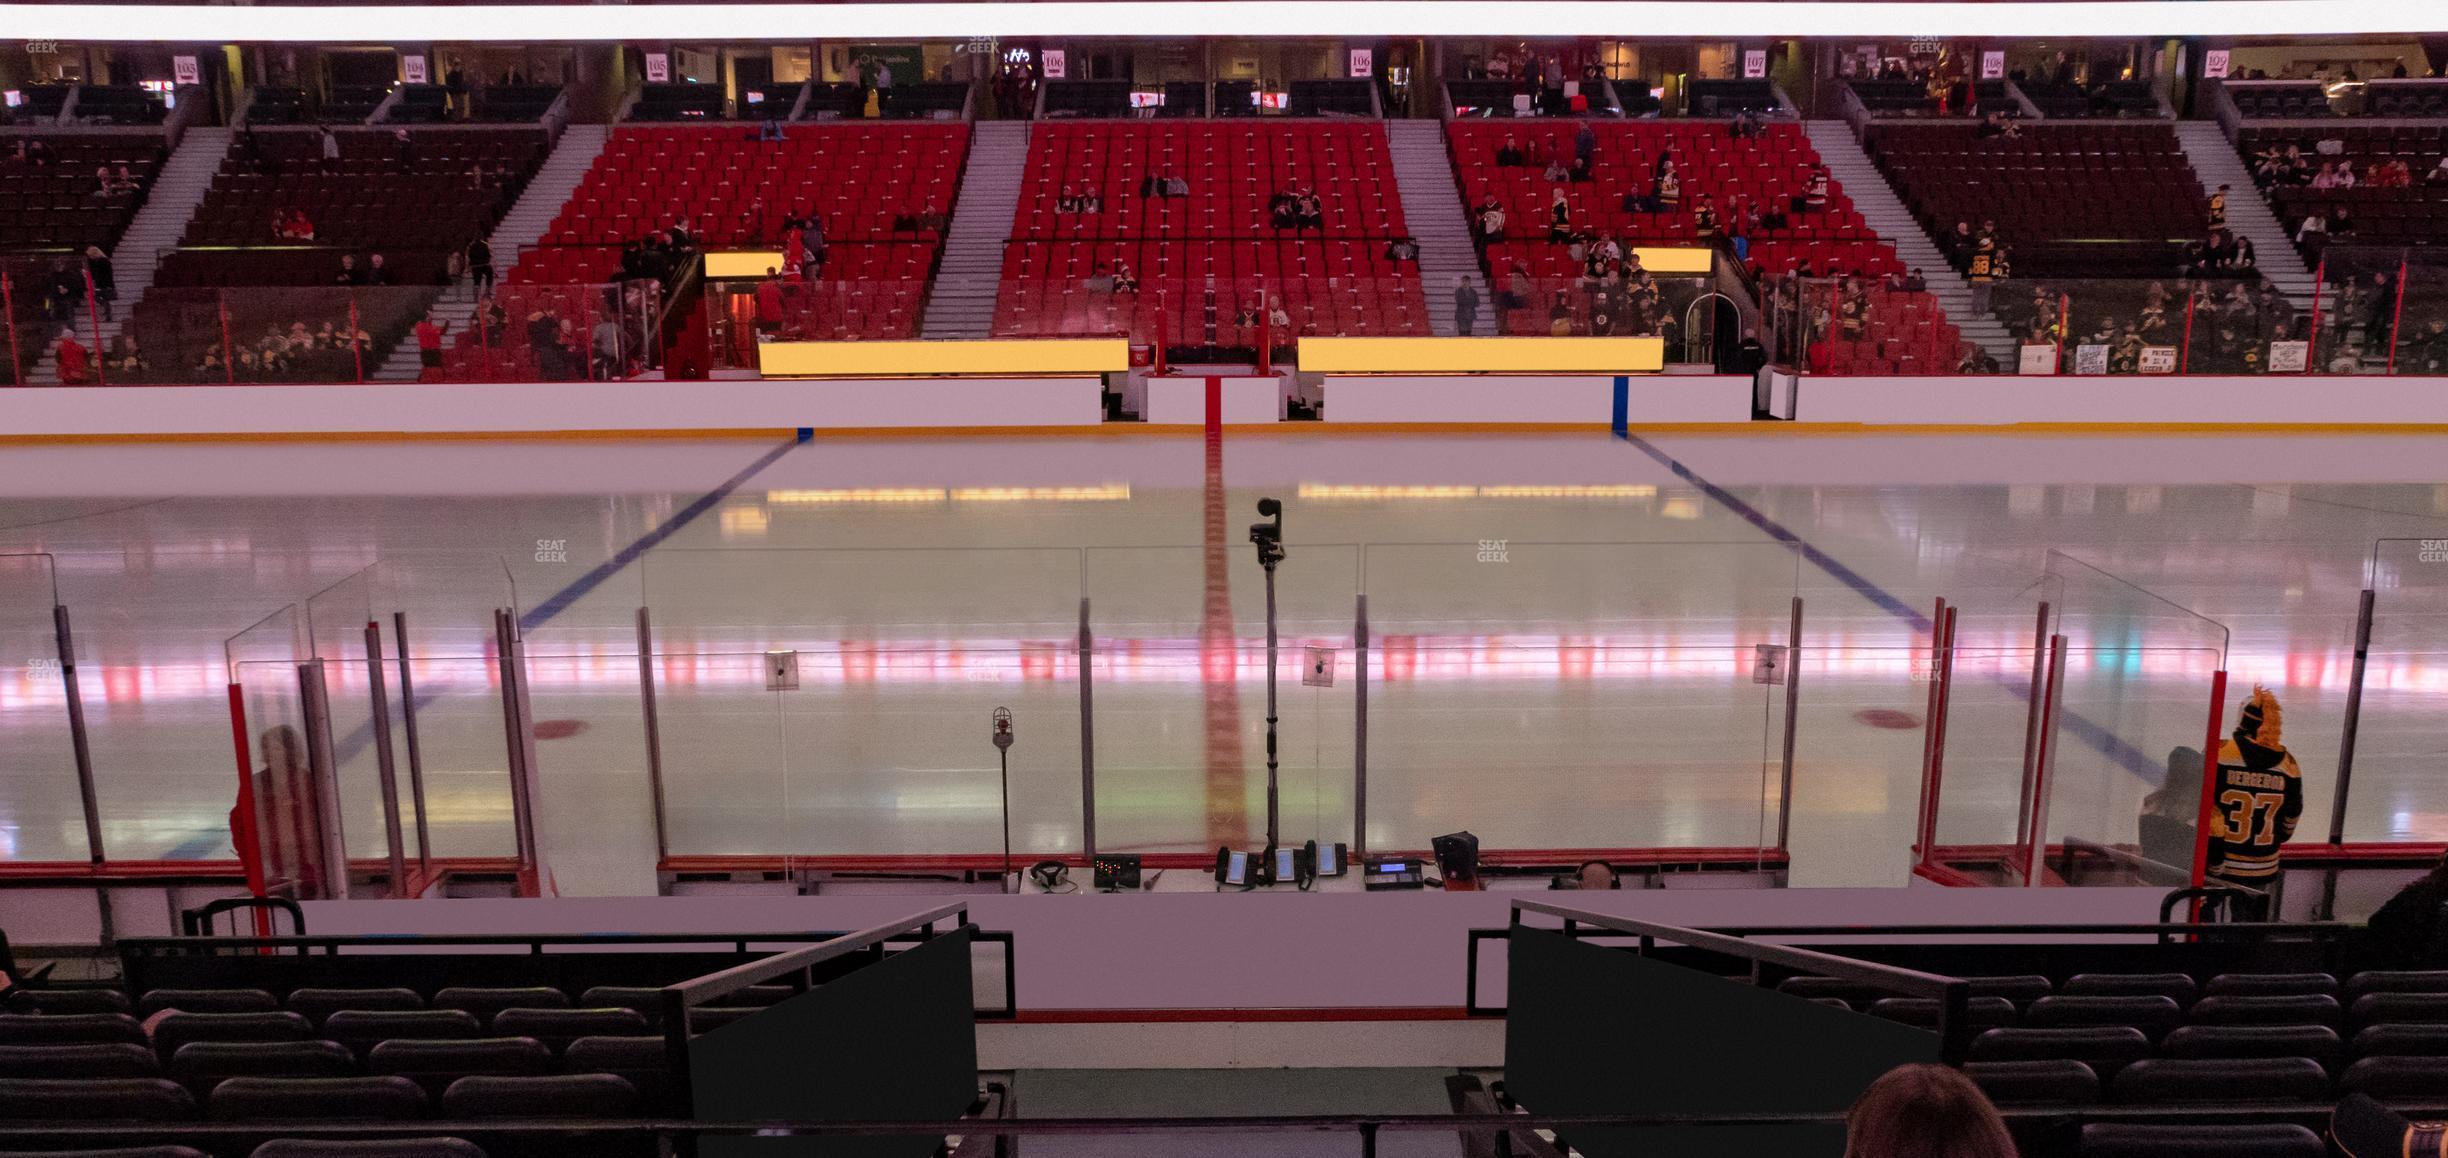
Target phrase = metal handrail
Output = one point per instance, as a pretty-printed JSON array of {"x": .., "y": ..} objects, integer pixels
[
  {"x": 1911, "y": 981},
  {"x": 697, "y": 991},
  {"x": 1953, "y": 994}
]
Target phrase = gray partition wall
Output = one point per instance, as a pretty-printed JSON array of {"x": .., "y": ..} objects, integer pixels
[
  {"x": 893, "y": 1040},
  {"x": 1592, "y": 1029}
]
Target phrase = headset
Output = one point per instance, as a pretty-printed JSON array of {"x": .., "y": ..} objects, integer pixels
[{"x": 1051, "y": 875}]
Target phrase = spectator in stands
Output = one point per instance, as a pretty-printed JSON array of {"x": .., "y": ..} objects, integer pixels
[
  {"x": 544, "y": 341},
  {"x": 376, "y": 273},
  {"x": 429, "y": 331},
  {"x": 2334, "y": 175},
  {"x": 1278, "y": 321},
  {"x": 1925, "y": 1111},
  {"x": 1704, "y": 220},
  {"x": 1977, "y": 360},
  {"x": 1559, "y": 218},
  {"x": 106, "y": 189},
  {"x": 1068, "y": 201},
  {"x": 1585, "y": 147},
  {"x": 1557, "y": 170},
  {"x": 1402, "y": 249},
  {"x": 2393, "y": 173},
  {"x": 275, "y": 839},
  {"x": 1815, "y": 193},
  {"x": 1559, "y": 315},
  {"x": 1958, "y": 244},
  {"x": 607, "y": 362},
  {"x": 124, "y": 361},
  {"x": 2218, "y": 208},
  {"x": 2427, "y": 351},
  {"x": 1124, "y": 281},
  {"x": 1509, "y": 154},
  {"x": 2167, "y": 827},
  {"x": 75, "y": 363},
  {"x": 1909, "y": 282},
  {"x": 1981, "y": 271},
  {"x": 1465, "y": 304},
  {"x": 63, "y": 291},
  {"x": 455, "y": 92},
  {"x": 1991, "y": 126},
  {"x": 349, "y": 273},
  {"x": 34, "y": 152},
  {"x": 105, "y": 283},
  {"x": 1668, "y": 192},
  {"x": 329, "y": 146},
  {"x": 1308, "y": 212},
  {"x": 1746, "y": 126},
  {"x": 478, "y": 257},
  {"x": 1491, "y": 223}
]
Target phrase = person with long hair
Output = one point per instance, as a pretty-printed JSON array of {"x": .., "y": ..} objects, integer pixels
[{"x": 1925, "y": 1111}]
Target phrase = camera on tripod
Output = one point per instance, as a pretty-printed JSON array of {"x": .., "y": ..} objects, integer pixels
[{"x": 1269, "y": 535}]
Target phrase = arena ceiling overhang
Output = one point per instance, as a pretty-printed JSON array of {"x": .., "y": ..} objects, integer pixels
[{"x": 1525, "y": 19}]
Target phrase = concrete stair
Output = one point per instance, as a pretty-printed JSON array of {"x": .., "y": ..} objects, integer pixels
[
  {"x": 961, "y": 304},
  {"x": 554, "y": 183},
  {"x": 177, "y": 190},
  {"x": 1432, "y": 211},
  {"x": 2216, "y": 162},
  {"x": 1885, "y": 212}
]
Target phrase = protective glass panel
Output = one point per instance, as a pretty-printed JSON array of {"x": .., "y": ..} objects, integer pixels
[
  {"x": 2130, "y": 721},
  {"x": 2401, "y": 736},
  {"x": 1630, "y": 662},
  {"x": 45, "y": 814},
  {"x": 289, "y": 814},
  {"x": 1658, "y": 747},
  {"x": 336, "y": 622},
  {"x": 889, "y": 751},
  {"x": 710, "y": 600},
  {"x": 1181, "y": 747},
  {"x": 462, "y": 758},
  {"x": 1857, "y": 758},
  {"x": 1982, "y": 784},
  {"x": 723, "y": 763},
  {"x": 1180, "y": 675},
  {"x": 595, "y": 805}
]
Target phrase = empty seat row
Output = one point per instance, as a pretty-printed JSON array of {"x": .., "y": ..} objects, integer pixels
[
  {"x": 361, "y": 1098},
  {"x": 434, "y": 1063}
]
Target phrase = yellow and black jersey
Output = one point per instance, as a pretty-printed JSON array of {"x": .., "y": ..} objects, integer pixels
[{"x": 2253, "y": 810}]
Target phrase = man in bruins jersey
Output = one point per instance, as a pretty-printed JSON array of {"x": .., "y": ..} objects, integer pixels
[{"x": 2258, "y": 797}]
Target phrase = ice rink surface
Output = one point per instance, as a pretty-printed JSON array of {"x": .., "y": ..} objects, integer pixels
[{"x": 1561, "y": 634}]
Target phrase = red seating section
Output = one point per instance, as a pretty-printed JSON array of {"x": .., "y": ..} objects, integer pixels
[
  {"x": 1770, "y": 169},
  {"x": 1201, "y": 259},
  {"x": 1766, "y": 171},
  {"x": 2069, "y": 200},
  {"x": 1906, "y": 334},
  {"x": 733, "y": 191}
]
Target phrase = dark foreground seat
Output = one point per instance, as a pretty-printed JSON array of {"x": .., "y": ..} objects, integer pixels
[
  {"x": 2117, "y": 1140},
  {"x": 304, "y": 1099},
  {"x": 370, "y": 1148},
  {"x": 96, "y": 1100}
]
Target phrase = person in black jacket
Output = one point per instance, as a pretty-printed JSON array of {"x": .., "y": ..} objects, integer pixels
[
  {"x": 2411, "y": 930},
  {"x": 105, "y": 282},
  {"x": 2171, "y": 815}
]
